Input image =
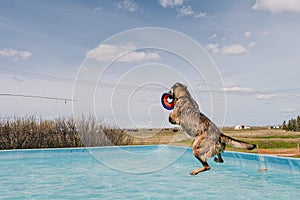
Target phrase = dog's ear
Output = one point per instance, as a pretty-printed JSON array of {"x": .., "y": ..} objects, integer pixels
[{"x": 180, "y": 85}]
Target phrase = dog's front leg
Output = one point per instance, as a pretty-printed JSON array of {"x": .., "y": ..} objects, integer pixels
[{"x": 173, "y": 119}]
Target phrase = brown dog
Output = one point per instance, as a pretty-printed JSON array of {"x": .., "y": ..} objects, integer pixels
[{"x": 208, "y": 139}]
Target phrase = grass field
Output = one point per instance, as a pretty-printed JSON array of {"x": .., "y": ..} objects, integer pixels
[{"x": 269, "y": 141}]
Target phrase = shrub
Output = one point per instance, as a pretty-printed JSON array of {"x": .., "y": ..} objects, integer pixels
[{"x": 30, "y": 132}]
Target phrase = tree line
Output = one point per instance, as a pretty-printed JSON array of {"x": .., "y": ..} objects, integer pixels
[{"x": 292, "y": 124}]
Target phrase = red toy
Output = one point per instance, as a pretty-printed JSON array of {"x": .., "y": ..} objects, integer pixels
[{"x": 167, "y": 101}]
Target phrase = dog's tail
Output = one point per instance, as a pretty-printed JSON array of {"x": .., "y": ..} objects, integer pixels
[{"x": 236, "y": 143}]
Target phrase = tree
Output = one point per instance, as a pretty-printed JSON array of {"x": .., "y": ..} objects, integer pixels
[
  {"x": 294, "y": 124},
  {"x": 298, "y": 124},
  {"x": 284, "y": 127},
  {"x": 289, "y": 125}
]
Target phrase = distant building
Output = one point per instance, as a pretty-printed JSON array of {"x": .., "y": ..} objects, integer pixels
[
  {"x": 175, "y": 130},
  {"x": 276, "y": 127},
  {"x": 132, "y": 130},
  {"x": 240, "y": 127}
]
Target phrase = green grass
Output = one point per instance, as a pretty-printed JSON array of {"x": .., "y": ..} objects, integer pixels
[
  {"x": 262, "y": 144},
  {"x": 269, "y": 144},
  {"x": 277, "y": 137}
]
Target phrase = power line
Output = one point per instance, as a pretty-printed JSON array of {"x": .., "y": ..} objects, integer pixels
[
  {"x": 146, "y": 89},
  {"x": 43, "y": 76},
  {"x": 36, "y": 97}
]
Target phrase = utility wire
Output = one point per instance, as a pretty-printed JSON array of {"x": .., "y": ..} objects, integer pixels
[
  {"x": 146, "y": 89},
  {"x": 36, "y": 97}
]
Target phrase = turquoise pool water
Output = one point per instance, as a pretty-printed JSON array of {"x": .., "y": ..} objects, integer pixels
[{"x": 143, "y": 172}]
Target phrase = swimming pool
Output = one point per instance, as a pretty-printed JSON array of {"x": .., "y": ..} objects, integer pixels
[{"x": 143, "y": 172}]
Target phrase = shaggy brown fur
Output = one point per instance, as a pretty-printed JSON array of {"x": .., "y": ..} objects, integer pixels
[{"x": 208, "y": 139}]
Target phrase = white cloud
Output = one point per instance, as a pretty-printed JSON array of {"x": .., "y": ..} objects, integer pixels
[
  {"x": 266, "y": 96},
  {"x": 200, "y": 15},
  {"x": 128, "y": 5},
  {"x": 233, "y": 49},
  {"x": 289, "y": 110},
  {"x": 139, "y": 56},
  {"x": 214, "y": 48},
  {"x": 286, "y": 97},
  {"x": 15, "y": 54},
  {"x": 237, "y": 89},
  {"x": 185, "y": 10},
  {"x": 233, "y": 88},
  {"x": 171, "y": 3},
  {"x": 251, "y": 45},
  {"x": 212, "y": 36},
  {"x": 182, "y": 8},
  {"x": 98, "y": 8},
  {"x": 265, "y": 33},
  {"x": 277, "y": 6},
  {"x": 247, "y": 34},
  {"x": 107, "y": 52}
]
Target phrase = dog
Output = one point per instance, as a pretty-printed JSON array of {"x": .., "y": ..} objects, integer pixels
[{"x": 208, "y": 139}]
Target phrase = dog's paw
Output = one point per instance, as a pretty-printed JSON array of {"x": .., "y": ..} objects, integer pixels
[
  {"x": 218, "y": 161},
  {"x": 171, "y": 121},
  {"x": 194, "y": 172}
]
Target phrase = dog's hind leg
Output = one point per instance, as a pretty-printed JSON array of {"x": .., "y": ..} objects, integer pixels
[
  {"x": 219, "y": 158},
  {"x": 202, "y": 169},
  {"x": 197, "y": 154}
]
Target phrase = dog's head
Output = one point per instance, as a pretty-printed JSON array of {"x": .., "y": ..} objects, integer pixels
[{"x": 179, "y": 90}]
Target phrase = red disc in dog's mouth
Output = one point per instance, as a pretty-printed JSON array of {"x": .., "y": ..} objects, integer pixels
[{"x": 167, "y": 101}]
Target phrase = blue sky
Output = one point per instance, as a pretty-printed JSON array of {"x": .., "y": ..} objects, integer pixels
[{"x": 254, "y": 44}]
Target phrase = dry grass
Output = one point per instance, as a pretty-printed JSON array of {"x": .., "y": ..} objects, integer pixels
[
  {"x": 158, "y": 136},
  {"x": 29, "y": 132}
]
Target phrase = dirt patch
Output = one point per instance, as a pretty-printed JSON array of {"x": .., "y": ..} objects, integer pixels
[{"x": 280, "y": 152}]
